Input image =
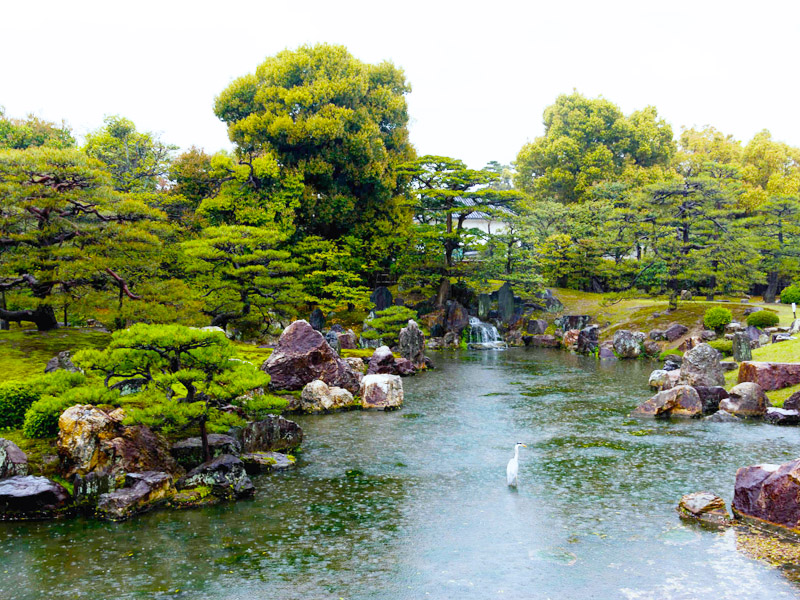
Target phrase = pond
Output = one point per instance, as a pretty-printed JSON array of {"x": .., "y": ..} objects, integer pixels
[{"x": 414, "y": 504}]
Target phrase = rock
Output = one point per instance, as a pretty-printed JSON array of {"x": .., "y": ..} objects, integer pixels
[
  {"x": 303, "y": 355},
  {"x": 573, "y": 322},
  {"x": 367, "y": 342},
  {"x": 753, "y": 333},
  {"x": 733, "y": 327},
  {"x": 412, "y": 344},
  {"x": 727, "y": 365},
  {"x": 781, "y": 416},
  {"x": 133, "y": 385},
  {"x": 722, "y": 416},
  {"x": 86, "y": 490},
  {"x": 273, "y": 434},
  {"x": 382, "y": 361},
  {"x": 381, "y": 297},
  {"x": 383, "y": 392},
  {"x": 674, "y": 331},
  {"x": 588, "y": 339},
  {"x": 746, "y": 400},
  {"x": 30, "y": 497},
  {"x": 680, "y": 401},
  {"x": 13, "y": 461},
  {"x": 741, "y": 347},
  {"x": 536, "y": 326},
  {"x": 792, "y": 402},
  {"x": 606, "y": 353},
  {"x": 346, "y": 341},
  {"x": 689, "y": 343},
  {"x": 456, "y": 317},
  {"x": 657, "y": 335},
  {"x": 570, "y": 339},
  {"x": 652, "y": 348},
  {"x": 704, "y": 506},
  {"x": 142, "y": 492},
  {"x": 659, "y": 380},
  {"x": 405, "y": 367},
  {"x": 544, "y": 341},
  {"x": 266, "y": 462},
  {"x": 333, "y": 340},
  {"x": 626, "y": 345},
  {"x": 484, "y": 306},
  {"x": 769, "y": 493},
  {"x": 505, "y": 302},
  {"x": 711, "y": 397},
  {"x": 707, "y": 335},
  {"x": 749, "y": 311},
  {"x": 551, "y": 303},
  {"x": 91, "y": 440},
  {"x": 61, "y": 361},
  {"x": 794, "y": 328},
  {"x": 782, "y": 337},
  {"x": 451, "y": 340},
  {"x": 189, "y": 452},
  {"x": 225, "y": 475},
  {"x": 437, "y": 330},
  {"x": 356, "y": 364},
  {"x": 318, "y": 397},
  {"x": 701, "y": 367},
  {"x": 317, "y": 319},
  {"x": 770, "y": 376}
]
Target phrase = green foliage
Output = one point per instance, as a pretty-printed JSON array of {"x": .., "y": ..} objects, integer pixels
[
  {"x": 16, "y": 397},
  {"x": 41, "y": 419},
  {"x": 763, "y": 318},
  {"x": 338, "y": 123},
  {"x": 138, "y": 162},
  {"x": 717, "y": 318},
  {"x": 388, "y": 323},
  {"x": 261, "y": 405},
  {"x": 724, "y": 346},
  {"x": 32, "y": 132},
  {"x": 791, "y": 294},
  {"x": 665, "y": 354}
]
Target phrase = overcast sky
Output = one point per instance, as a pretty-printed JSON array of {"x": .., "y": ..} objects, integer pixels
[{"x": 482, "y": 73}]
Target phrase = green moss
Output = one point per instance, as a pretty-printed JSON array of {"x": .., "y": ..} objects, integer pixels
[
  {"x": 667, "y": 353},
  {"x": 36, "y": 450},
  {"x": 252, "y": 354},
  {"x": 25, "y": 352},
  {"x": 724, "y": 346},
  {"x": 357, "y": 353}
]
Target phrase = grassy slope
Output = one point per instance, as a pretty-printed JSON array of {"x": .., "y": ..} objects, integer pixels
[{"x": 785, "y": 352}]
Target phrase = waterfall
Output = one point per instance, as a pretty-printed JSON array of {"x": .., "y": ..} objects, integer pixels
[{"x": 484, "y": 336}]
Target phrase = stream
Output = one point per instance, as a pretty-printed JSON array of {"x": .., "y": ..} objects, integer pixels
[{"x": 413, "y": 504}]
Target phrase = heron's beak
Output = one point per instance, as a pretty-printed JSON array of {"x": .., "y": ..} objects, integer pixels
[{"x": 524, "y": 446}]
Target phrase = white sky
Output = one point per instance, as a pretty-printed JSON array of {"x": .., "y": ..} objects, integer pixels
[{"x": 482, "y": 73}]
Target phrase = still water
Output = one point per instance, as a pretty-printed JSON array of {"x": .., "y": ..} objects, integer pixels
[{"x": 413, "y": 504}]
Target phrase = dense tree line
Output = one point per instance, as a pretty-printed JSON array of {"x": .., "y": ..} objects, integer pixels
[{"x": 323, "y": 196}]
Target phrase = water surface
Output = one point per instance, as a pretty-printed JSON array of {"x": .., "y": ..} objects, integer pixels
[{"x": 413, "y": 504}]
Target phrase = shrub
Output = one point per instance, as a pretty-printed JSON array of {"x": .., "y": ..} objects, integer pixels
[
  {"x": 716, "y": 318},
  {"x": 15, "y": 398},
  {"x": 724, "y": 346},
  {"x": 388, "y": 323},
  {"x": 41, "y": 419},
  {"x": 791, "y": 294},
  {"x": 763, "y": 318}
]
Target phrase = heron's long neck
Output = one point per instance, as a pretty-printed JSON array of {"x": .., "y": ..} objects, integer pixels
[{"x": 516, "y": 452}]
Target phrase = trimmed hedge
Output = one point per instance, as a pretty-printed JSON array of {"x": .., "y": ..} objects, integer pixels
[
  {"x": 791, "y": 294},
  {"x": 724, "y": 346},
  {"x": 763, "y": 318},
  {"x": 16, "y": 397},
  {"x": 717, "y": 317}
]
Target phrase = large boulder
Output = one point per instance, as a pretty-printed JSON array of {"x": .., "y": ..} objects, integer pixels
[
  {"x": 746, "y": 400},
  {"x": 722, "y": 416},
  {"x": 384, "y": 392},
  {"x": 567, "y": 322},
  {"x": 536, "y": 326},
  {"x": 781, "y": 416},
  {"x": 588, "y": 339},
  {"x": 142, "y": 492},
  {"x": 770, "y": 376},
  {"x": 91, "y": 440},
  {"x": 456, "y": 317},
  {"x": 225, "y": 475},
  {"x": 659, "y": 380},
  {"x": 273, "y": 434},
  {"x": 627, "y": 344},
  {"x": 741, "y": 347},
  {"x": 543, "y": 341},
  {"x": 381, "y": 297},
  {"x": 701, "y": 367},
  {"x": 61, "y": 362},
  {"x": 189, "y": 452},
  {"x": 711, "y": 397},
  {"x": 318, "y": 397},
  {"x": 769, "y": 493},
  {"x": 505, "y": 302},
  {"x": 303, "y": 355},
  {"x": 680, "y": 401},
  {"x": 705, "y": 507},
  {"x": 13, "y": 461},
  {"x": 346, "y": 340},
  {"x": 256, "y": 463},
  {"x": 30, "y": 497},
  {"x": 357, "y": 364},
  {"x": 317, "y": 319},
  {"x": 674, "y": 331},
  {"x": 412, "y": 344},
  {"x": 570, "y": 339},
  {"x": 382, "y": 361},
  {"x": 792, "y": 402}
]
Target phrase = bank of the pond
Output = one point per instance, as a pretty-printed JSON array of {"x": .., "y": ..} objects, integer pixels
[{"x": 414, "y": 504}]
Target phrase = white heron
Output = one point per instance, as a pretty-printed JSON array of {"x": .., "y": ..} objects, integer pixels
[{"x": 513, "y": 465}]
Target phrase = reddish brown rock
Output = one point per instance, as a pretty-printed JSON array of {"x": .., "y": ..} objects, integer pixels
[
  {"x": 570, "y": 339},
  {"x": 680, "y": 401},
  {"x": 770, "y": 376},
  {"x": 746, "y": 400},
  {"x": 347, "y": 341},
  {"x": 704, "y": 506},
  {"x": 303, "y": 355},
  {"x": 29, "y": 497},
  {"x": 674, "y": 331},
  {"x": 544, "y": 341},
  {"x": 769, "y": 493}
]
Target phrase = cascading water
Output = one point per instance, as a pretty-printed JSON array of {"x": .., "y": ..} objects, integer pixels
[{"x": 484, "y": 336}]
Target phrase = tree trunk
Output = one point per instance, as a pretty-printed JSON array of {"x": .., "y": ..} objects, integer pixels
[
  {"x": 4, "y": 326},
  {"x": 44, "y": 317},
  {"x": 772, "y": 287},
  {"x": 204, "y": 440}
]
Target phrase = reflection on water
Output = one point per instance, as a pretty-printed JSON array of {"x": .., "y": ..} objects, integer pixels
[{"x": 413, "y": 504}]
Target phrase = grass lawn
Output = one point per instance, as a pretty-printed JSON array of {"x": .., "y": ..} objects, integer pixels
[{"x": 782, "y": 352}]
